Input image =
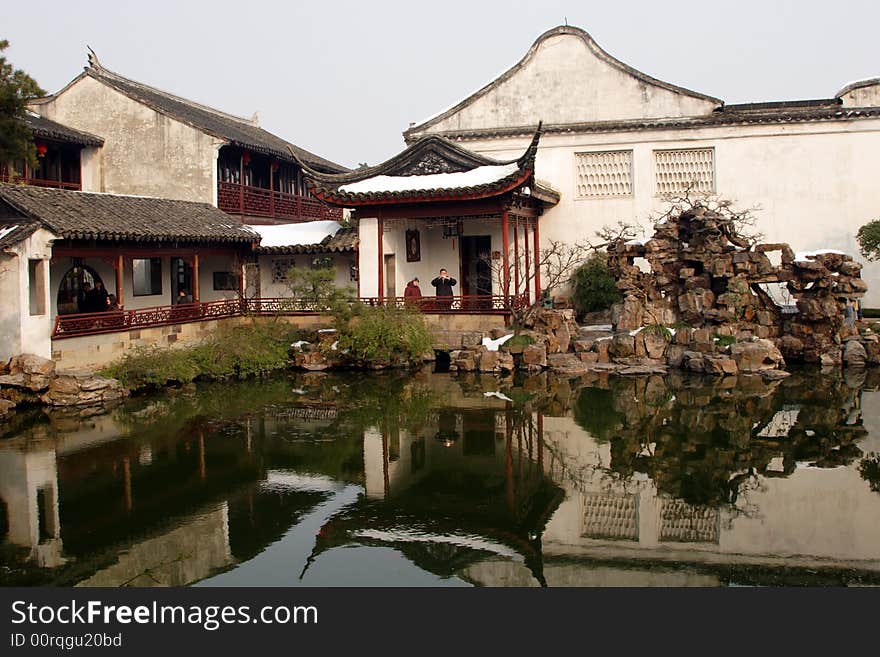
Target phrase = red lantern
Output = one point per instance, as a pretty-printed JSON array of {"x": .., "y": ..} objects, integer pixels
[
  {"x": 246, "y": 158},
  {"x": 275, "y": 165},
  {"x": 41, "y": 150}
]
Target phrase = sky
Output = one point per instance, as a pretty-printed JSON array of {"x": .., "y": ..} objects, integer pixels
[{"x": 345, "y": 78}]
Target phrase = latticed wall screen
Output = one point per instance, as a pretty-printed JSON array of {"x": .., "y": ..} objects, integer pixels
[
  {"x": 611, "y": 516},
  {"x": 692, "y": 169},
  {"x": 605, "y": 173},
  {"x": 683, "y": 522}
]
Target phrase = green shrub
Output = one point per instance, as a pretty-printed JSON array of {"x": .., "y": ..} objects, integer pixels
[
  {"x": 724, "y": 340},
  {"x": 660, "y": 331},
  {"x": 594, "y": 288},
  {"x": 234, "y": 351},
  {"x": 385, "y": 334}
]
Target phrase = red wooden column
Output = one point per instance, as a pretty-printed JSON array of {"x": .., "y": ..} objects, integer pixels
[
  {"x": 537, "y": 262},
  {"x": 505, "y": 238},
  {"x": 195, "y": 276},
  {"x": 526, "y": 258},
  {"x": 515, "y": 257},
  {"x": 381, "y": 258},
  {"x": 271, "y": 190},
  {"x": 119, "y": 282},
  {"x": 241, "y": 184}
]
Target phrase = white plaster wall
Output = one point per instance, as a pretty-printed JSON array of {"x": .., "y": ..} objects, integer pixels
[
  {"x": 91, "y": 169},
  {"x": 341, "y": 263},
  {"x": 21, "y": 332},
  {"x": 144, "y": 152},
  {"x": 566, "y": 81},
  {"x": 815, "y": 183}
]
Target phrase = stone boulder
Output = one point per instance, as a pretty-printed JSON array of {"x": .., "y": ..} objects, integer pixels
[
  {"x": 535, "y": 355},
  {"x": 30, "y": 364},
  {"x": 567, "y": 364},
  {"x": 756, "y": 356},
  {"x": 854, "y": 354},
  {"x": 719, "y": 365},
  {"x": 6, "y": 407},
  {"x": 82, "y": 388}
]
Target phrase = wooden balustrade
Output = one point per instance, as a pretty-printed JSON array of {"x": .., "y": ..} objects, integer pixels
[
  {"x": 260, "y": 202},
  {"x": 69, "y": 326}
]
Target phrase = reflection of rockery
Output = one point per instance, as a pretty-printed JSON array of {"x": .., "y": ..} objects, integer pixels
[{"x": 698, "y": 270}]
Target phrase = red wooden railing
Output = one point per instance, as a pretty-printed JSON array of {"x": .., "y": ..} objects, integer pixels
[
  {"x": 260, "y": 202},
  {"x": 69, "y": 326},
  {"x": 40, "y": 182}
]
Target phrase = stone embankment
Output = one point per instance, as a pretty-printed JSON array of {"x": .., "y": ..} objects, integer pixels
[{"x": 28, "y": 380}]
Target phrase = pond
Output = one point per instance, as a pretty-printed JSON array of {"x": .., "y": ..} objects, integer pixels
[{"x": 441, "y": 480}]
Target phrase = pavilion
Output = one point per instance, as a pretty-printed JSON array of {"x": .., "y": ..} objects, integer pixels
[{"x": 437, "y": 205}]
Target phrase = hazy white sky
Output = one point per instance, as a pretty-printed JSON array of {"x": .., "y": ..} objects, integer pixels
[{"x": 344, "y": 78}]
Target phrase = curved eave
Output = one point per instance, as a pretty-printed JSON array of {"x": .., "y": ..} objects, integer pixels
[
  {"x": 300, "y": 249},
  {"x": 556, "y": 31},
  {"x": 134, "y": 237},
  {"x": 489, "y": 190}
]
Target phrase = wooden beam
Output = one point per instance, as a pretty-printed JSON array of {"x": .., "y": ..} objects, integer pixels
[
  {"x": 526, "y": 259},
  {"x": 428, "y": 209}
]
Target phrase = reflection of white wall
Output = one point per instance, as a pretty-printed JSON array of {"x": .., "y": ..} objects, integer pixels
[
  {"x": 22, "y": 475},
  {"x": 813, "y": 513},
  {"x": 189, "y": 553}
]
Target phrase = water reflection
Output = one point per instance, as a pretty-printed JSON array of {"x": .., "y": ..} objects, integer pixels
[{"x": 438, "y": 480}]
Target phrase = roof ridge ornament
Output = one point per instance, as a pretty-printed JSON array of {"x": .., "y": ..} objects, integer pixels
[{"x": 94, "y": 62}]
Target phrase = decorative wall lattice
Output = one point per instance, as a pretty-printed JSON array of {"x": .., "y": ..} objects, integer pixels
[
  {"x": 678, "y": 171},
  {"x": 605, "y": 173},
  {"x": 280, "y": 268},
  {"x": 683, "y": 522},
  {"x": 611, "y": 516}
]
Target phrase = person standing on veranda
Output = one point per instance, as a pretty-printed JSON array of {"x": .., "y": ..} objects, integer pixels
[{"x": 443, "y": 285}]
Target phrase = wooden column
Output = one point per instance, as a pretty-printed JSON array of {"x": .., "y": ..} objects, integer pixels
[
  {"x": 271, "y": 190},
  {"x": 516, "y": 257},
  {"x": 505, "y": 260},
  {"x": 537, "y": 262},
  {"x": 241, "y": 184},
  {"x": 526, "y": 258},
  {"x": 119, "y": 280},
  {"x": 195, "y": 276},
  {"x": 381, "y": 294}
]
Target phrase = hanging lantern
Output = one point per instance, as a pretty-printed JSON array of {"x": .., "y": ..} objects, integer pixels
[
  {"x": 275, "y": 165},
  {"x": 246, "y": 158},
  {"x": 41, "y": 150}
]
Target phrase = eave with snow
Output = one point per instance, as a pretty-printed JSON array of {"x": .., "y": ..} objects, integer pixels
[{"x": 437, "y": 205}]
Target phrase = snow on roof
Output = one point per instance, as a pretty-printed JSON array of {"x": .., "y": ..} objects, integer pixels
[
  {"x": 803, "y": 256},
  {"x": 310, "y": 232},
  {"x": 639, "y": 241},
  {"x": 6, "y": 230},
  {"x": 479, "y": 176}
]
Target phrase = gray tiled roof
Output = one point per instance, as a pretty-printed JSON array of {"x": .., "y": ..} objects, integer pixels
[
  {"x": 43, "y": 127},
  {"x": 344, "y": 241},
  {"x": 110, "y": 217},
  {"x": 236, "y": 131}
]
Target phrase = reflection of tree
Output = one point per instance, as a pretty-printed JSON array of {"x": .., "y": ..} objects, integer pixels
[
  {"x": 869, "y": 469},
  {"x": 707, "y": 443}
]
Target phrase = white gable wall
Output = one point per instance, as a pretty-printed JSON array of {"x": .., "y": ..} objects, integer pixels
[
  {"x": 566, "y": 79},
  {"x": 145, "y": 153}
]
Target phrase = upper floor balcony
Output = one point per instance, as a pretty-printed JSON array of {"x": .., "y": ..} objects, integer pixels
[
  {"x": 254, "y": 185},
  {"x": 58, "y": 165}
]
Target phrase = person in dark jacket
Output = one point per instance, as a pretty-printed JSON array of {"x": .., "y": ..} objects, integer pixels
[
  {"x": 82, "y": 297},
  {"x": 96, "y": 299},
  {"x": 413, "y": 293},
  {"x": 443, "y": 284}
]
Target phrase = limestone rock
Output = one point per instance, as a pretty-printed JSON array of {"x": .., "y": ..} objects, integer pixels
[
  {"x": 535, "y": 354},
  {"x": 6, "y": 407},
  {"x": 82, "y": 388},
  {"x": 756, "y": 356},
  {"x": 720, "y": 365},
  {"x": 622, "y": 346},
  {"x": 567, "y": 364},
  {"x": 854, "y": 354},
  {"x": 31, "y": 364}
]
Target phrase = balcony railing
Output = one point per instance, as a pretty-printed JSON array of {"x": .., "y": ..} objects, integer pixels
[
  {"x": 40, "y": 182},
  {"x": 259, "y": 202},
  {"x": 70, "y": 326}
]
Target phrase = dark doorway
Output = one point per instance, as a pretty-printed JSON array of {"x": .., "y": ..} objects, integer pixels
[
  {"x": 181, "y": 278},
  {"x": 70, "y": 292},
  {"x": 476, "y": 270}
]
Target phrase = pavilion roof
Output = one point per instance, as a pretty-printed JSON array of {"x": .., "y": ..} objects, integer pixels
[
  {"x": 306, "y": 237},
  {"x": 47, "y": 129},
  {"x": 432, "y": 169}
]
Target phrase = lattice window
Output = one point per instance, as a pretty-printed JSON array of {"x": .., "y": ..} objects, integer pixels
[
  {"x": 681, "y": 170},
  {"x": 611, "y": 516},
  {"x": 280, "y": 267},
  {"x": 604, "y": 173},
  {"x": 680, "y": 521}
]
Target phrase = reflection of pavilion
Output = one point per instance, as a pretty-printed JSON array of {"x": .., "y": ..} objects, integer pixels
[{"x": 461, "y": 489}]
